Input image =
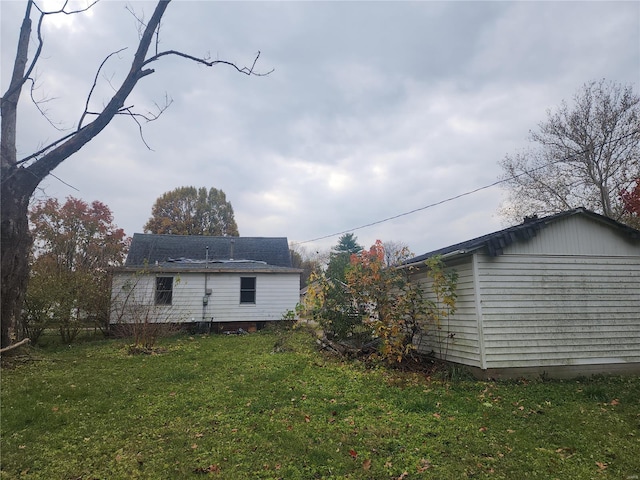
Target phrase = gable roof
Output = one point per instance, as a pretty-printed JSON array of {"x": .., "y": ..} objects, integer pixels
[
  {"x": 496, "y": 242},
  {"x": 193, "y": 251}
]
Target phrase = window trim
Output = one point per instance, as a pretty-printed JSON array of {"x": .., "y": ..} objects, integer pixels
[
  {"x": 163, "y": 296},
  {"x": 246, "y": 291}
]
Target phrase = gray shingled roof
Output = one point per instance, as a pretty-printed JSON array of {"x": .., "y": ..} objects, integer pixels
[
  {"x": 149, "y": 248},
  {"x": 495, "y": 242}
]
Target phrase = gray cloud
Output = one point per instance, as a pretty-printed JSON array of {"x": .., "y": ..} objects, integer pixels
[{"x": 374, "y": 108}]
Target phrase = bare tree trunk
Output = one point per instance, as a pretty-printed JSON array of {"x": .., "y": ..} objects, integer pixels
[
  {"x": 15, "y": 244},
  {"x": 20, "y": 181},
  {"x": 15, "y": 239},
  {"x": 21, "y": 177}
]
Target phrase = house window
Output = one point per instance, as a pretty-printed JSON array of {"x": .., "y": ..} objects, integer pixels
[
  {"x": 247, "y": 289},
  {"x": 164, "y": 290}
]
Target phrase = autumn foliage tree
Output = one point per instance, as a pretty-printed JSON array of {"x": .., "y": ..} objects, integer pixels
[
  {"x": 191, "y": 211},
  {"x": 381, "y": 302},
  {"x": 75, "y": 244},
  {"x": 388, "y": 303},
  {"x": 22, "y": 175},
  {"x": 631, "y": 202}
]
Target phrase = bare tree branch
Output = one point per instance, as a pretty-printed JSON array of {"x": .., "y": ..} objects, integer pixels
[
  {"x": 211, "y": 63},
  {"x": 37, "y": 104},
  {"x": 38, "y": 51},
  {"x": 47, "y": 148},
  {"x": 24, "y": 341},
  {"x": 63, "y": 9},
  {"x": 95, "y": 81}
]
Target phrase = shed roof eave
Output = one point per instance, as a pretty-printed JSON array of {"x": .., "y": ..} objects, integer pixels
[{"x": 444, "y": 256}]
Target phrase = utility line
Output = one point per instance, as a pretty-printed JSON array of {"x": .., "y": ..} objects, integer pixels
[{"x": 470, "y": 192}]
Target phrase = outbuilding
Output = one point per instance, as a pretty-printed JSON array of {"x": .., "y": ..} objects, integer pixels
[
  {"x": 212, "y": 283},
  {"x": 556, "y": 296}
]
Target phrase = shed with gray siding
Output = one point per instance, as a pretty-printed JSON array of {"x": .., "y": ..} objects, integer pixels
[
  {"x": 558, "y": 295},
  {"x": 226, "y": 282}
]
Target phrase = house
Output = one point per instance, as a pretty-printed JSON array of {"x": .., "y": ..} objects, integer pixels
[
  {"x": 221, "y": 283},
  {"x": 557, "y": 296}
]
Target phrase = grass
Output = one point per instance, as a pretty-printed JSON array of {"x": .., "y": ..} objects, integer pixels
[{"x": 264, "y": 406}]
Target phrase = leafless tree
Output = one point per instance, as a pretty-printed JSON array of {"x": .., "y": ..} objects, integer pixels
[
  {"x": 584, "y": 155},
  {"x": 21, "y": 176},
  {"x": 395, "y": 252}
]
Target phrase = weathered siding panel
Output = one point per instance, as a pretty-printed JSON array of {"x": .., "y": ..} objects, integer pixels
[
  {"x": 464, "y": 347},
  {"x": 546, "y": 310},
  {"x": 576, "y": 236},
  {"x": 276, "y": 293}
]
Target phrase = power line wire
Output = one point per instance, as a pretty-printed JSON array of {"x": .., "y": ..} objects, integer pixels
[{"x": 470, "y": 192}]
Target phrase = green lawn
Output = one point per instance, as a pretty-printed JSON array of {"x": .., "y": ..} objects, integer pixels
[{"x": 232, "y": 407}]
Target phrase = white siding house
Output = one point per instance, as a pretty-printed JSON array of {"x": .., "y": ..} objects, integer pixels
[
  {"x": 215, "y": 282},
  {"x": 558, "y": 296}
]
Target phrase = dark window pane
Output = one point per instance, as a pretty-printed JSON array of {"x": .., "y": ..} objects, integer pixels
[
  {"x": 247, "y": 290},
  {"x": 164, "y": 290},
  {"x": 247, "y": 297}
]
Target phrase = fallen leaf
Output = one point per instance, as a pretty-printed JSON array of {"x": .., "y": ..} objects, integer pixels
[
  {"x": 483, "y": 429},
  {"x": 54, "y": 409},
  {"x": 615, "y": 401},
  {"x": 366, "y": 465},
  {"x": 307, "y": 418},
  {"x": 424, "y": 466},
  {"x": 209, "y": 469},
  {"x": 436, "y": 415},
  {"x": 353, "y": 453},
  {"x": 194, "y": 446},
  {"x": 601, "y": 465}
]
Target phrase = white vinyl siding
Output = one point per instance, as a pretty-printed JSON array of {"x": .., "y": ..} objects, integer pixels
[
  {"x": 569, "y": 297},
  {"x": 464, "y": 347},
  {"x": 556, "y": 310},
  {"x": 276, "y": 293},
  {"x": 577, "y": 236}
]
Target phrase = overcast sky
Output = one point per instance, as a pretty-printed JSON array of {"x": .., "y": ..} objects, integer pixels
[{"x": 373, "y": 110}]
